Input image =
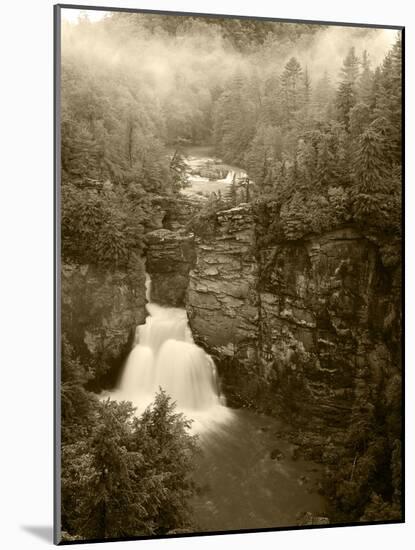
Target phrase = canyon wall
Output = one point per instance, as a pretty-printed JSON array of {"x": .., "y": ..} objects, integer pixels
[
  {"x": 101, "y": 305},
  {"x": 100, "y": 310},
  {"x": 306, "y": 329}
]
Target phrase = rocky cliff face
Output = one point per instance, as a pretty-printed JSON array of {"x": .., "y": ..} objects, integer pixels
[
  {"x": 169, "y": 258},
  {"x": 101, "y": 306},
  {"x": 304, "y": 329},
  {"x": 223, "y": 300},
  {"x": 100, "y": 310}
]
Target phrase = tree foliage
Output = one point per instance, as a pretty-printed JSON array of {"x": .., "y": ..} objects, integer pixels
[{"x": 122, "y": 475}]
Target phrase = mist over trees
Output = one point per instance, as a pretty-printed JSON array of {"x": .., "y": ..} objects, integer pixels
[
  {"x": 318, "y": 132},
  {"x": 136, "y": 87}
]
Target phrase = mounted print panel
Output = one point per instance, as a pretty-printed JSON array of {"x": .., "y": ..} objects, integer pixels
[{"x": 229, "y": 259}]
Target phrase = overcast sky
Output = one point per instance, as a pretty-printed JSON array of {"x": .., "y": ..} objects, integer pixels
[{"x": 72, "y": 15}]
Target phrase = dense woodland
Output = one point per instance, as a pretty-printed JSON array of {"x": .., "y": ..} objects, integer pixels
[{"x": 321, "y": 144}]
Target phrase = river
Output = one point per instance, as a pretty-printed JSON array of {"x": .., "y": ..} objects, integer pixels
[
  {"x": 207, "y": 173},
  {"x": 248, "y": 475}
]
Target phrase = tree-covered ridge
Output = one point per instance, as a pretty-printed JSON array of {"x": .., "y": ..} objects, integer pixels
[
  {"x": 114, "y": 161},
  {"x": 327, "y": 154}
]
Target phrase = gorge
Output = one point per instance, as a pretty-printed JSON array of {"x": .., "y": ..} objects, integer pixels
[
  {"x": 304, "y": 333},
  {"x": 304, "y": 330},
  {"x": 249, "y": 476},
  {"x": 299, "y": 337},
  {"x": 254, "y": 176}
]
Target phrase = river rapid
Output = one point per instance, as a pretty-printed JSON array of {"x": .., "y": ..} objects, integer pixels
[{"x": 208, "y": 174}]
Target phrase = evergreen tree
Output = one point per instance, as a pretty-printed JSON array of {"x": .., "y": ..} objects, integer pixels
[
  {"x": 322, "y": 98},
  {"x": 365, "y": 81},
  {"x": 264, "y": 152},
  {"x": 291, "y": 89},
  {"x": 325, "y": 161},
  {"x": 359, "y": 117},
  {"x": 127, "y": 476},
  {"x": 77, "y": 403},
  {"x": 178, "y": 168},
  {"x": 346, "y": 96},
  {"x": 370, "y": 169},
  {"x": 370, "y": 176},
  {"x": 114, "y": 509},
  {"x": 271, "y": 112},
  {"x": 232, "y": 193},
  {"x": 376, "y": 84},
  {"x": 161, "y": 436},
  {"x": 234, "y": 121},
  {"x": 307, "y": 89},
  {"x": 307, "y": 154},
  {"x": 389, "y": 99}
]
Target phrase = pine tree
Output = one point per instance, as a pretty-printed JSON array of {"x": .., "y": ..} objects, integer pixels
[
  {"x": 128, "y": 476},
  {"x": 232, "y": 193},
  {"x": 307, "y": 88},
  {"x": 291, "y": 88},
  {"x": 389, "y": 102},
  {"x": 347, "y": 91},
  {"x": 234, "y": 120},
  {"x": 115, "y": 509},
  {"x": 76, "y": 402},
  {"x": 370, "y": 177},
  {"x": 178, "y": 169},
  {"x": 359, "y": 119},
  {"x": 325, "y": 161},
  {"x": 322, "y": 98},
  {"x": 80, "y": 152},
  {"x": 374, "y": 97},
  {"x": 271, "y": 112},
  {"x": 168, "y": 451},
  {"x": 265, "y": 150},
  {"x": 307, "y": 160},
  {"x": 365, "y": 81},
  {"x": 370, "y": 169}
]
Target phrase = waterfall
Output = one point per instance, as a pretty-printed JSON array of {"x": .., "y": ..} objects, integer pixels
[
  {"x": 165, "y": 356},
  {"x": 229, "y": 177}
]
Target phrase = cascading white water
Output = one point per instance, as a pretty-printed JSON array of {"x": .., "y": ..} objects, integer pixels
[
  {"x": 165, "y": 356},
  {"x": 229, "y": 177}
]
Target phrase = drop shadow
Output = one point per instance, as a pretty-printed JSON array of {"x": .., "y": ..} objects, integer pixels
[{"x": 43, "y": 532}]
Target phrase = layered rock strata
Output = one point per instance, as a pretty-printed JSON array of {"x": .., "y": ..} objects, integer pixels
[
  {"x": 304, "y": 329},
  {"x": 100, "y": 311}
]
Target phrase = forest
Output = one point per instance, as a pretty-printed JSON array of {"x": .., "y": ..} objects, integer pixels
[{"x": 316, "y": 128}]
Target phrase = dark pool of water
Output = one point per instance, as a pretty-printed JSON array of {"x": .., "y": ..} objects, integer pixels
[{"x": 243, "y": 487}]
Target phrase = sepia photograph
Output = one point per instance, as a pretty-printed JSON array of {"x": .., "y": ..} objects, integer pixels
[{"x": 228, "y": 208}]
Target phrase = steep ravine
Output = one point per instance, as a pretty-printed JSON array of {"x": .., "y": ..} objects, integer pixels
[{"x": 300, "y": 329}]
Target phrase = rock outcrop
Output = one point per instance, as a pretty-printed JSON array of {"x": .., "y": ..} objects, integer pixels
[
  {"x": 100, "y": 311},
  {"x": 173, "y": 212},
  {"x": 222, "y": 300},
  {"x": 170, "y": 256},
  {"x": 299, "y": 328}
]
